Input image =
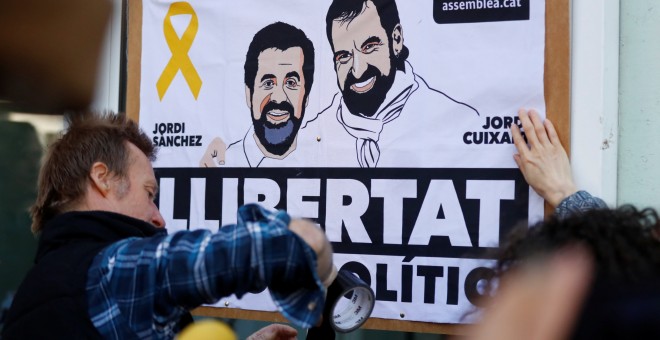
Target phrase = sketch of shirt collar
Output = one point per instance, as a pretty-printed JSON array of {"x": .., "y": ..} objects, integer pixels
[
  {"x": 367, "y": 130},
  {"x": 253, "y": 154}
]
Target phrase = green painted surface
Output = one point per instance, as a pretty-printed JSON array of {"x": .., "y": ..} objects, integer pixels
[
  {"x": 639, "y": 104},
  {"x": 20, "y": 153}
]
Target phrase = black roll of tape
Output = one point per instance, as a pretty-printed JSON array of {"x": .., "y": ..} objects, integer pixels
[{"x": 352, "y": 301}]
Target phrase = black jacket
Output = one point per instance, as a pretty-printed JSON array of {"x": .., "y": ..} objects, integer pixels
[{"x": 51, "y": 302}]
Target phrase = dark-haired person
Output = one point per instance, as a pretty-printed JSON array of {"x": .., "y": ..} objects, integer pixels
[
  {"x": 591, "y": 275},
  {"x": 106, "y": 267},
  {"x": 545, "y": 166},
  {"x": 279, "y": 73},
  {"x": 385, "y": 115}
]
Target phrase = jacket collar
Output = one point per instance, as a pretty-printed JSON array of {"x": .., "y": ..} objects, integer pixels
[{"x": 94, "y": 226}]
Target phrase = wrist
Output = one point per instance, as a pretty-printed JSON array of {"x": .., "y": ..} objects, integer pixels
[{"x": 556, "y": 196}]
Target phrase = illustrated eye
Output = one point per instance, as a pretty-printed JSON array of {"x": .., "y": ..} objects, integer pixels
[
  {"x": 343, "y": 57},
  {"x": 291, "y": 83},
  {"x": 268, "y": 84},
  {"x": 371, "y": 47}
]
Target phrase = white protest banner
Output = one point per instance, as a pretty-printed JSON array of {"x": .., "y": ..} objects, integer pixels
[{"x": 386, "y": 122}]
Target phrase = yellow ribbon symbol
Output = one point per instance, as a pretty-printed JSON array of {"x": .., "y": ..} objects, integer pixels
[{"x": 179, "y": 47}]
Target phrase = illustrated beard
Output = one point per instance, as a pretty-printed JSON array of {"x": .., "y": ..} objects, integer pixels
[
  {"x": 367, "y": 103},
  {"x": 277, "y": 138}
]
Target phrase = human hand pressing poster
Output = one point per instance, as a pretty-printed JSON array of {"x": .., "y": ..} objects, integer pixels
[{"x": 384, "y": 121}]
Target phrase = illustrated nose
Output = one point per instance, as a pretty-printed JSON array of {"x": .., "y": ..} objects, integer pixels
[
  {"x": 359, "y": 66},
  {"x": 278, "y": 95}
]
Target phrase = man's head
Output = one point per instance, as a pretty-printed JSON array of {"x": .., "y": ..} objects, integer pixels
[
  {"x": 593, "y": 275},
  {"x": 102, "y": 162},
  {"x": 279, "y": 72},
  {"x": 624, "y": 242},
  {"x": 366, "y": 38}
]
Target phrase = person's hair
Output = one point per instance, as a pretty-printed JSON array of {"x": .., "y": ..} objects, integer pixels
[
  {"x": 89, "y": 138},
  {"x": 346, "y": 10},
  {"x": 623, "y": 242},
  {"x": 280, "y": 36}
]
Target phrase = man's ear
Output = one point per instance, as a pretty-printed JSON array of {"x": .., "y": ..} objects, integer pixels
[
  {"x": 99, "y": 177},
  {"x": 248, "y": 100},
  {"x": 397, "y": 39}
]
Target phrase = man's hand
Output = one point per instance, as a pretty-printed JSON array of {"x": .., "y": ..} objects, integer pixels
[
  {"x": 275, "y": 332},
  {"x": 214, "y": 154},
  {"x": 317, "y": 240},
  {"x": 543, "y": 162}
]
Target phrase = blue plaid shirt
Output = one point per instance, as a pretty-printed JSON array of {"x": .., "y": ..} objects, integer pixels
[
  {"x": 578, "y": 202},
  {"x": 141, "y": 287}
]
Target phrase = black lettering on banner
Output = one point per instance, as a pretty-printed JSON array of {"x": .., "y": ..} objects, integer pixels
[
  {"x": 430, "y": 274},
  {"x": 467, "y": 11},
  {"x": 445, "y": 214},
  {"x": 363, "y": 230},
  {"x": 406, "y": 283},
  {"x": 502, "y": 123},
  {"x": 163, "y": 128},
  {"x": 452, "y": 286},
  {"x": 173, "y": 135},
  {"x": 382, "y": 293},
  {"x": 358, "y": 269},
  {"x": 474, "y": 281},
  {"x": 177, "y": 140}
]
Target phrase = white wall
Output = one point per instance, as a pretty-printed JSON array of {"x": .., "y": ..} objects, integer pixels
[
  {"x": 106, "y": 96},
  {"x": 594, "y": 96}
]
